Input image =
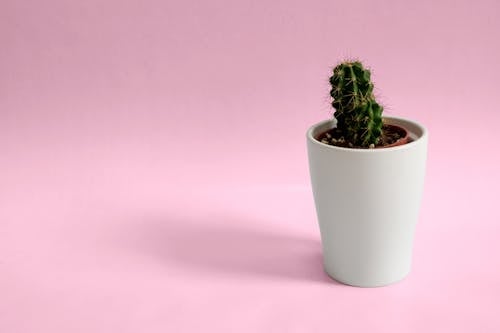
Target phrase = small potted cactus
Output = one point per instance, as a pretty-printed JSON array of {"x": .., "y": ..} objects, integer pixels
[{"x": 367, "y": 174}]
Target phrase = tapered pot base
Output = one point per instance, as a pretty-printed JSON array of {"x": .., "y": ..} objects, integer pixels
[{"x": 364, "y": 285}]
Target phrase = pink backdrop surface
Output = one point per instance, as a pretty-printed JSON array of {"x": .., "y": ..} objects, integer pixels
[{"x": 153, "y": 169}]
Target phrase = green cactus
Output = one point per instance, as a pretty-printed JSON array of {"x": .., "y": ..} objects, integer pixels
[{"x": 359, "y": 116}]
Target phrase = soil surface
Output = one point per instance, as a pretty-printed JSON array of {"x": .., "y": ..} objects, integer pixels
[{"x": 390, "y": 135}]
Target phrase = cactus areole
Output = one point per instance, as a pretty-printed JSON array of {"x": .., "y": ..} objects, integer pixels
[{"x": 358, "y": 114}]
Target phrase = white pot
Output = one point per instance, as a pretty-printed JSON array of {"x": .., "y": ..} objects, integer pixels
[{"x": 367, "y": 203}]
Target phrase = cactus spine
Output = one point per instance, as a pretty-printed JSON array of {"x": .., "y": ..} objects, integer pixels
[{"x": 359, "y": 116}]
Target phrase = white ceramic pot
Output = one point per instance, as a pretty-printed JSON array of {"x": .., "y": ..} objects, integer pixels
[{"x": 367, "y": 203}]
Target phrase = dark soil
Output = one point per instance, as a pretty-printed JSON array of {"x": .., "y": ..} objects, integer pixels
[{"x": 390, "y": 135}]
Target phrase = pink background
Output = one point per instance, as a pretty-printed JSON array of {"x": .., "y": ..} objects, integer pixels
[{"x": 153, "y": 171}]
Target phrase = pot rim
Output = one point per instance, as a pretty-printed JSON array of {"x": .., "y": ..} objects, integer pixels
[{"x": 399, "y": 121}]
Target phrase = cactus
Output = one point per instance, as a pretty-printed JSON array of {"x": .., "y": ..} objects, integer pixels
[{"x": 359, "y": 116}]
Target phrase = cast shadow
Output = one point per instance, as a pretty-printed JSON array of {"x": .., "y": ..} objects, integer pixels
[{"x": 230, "y": 247}]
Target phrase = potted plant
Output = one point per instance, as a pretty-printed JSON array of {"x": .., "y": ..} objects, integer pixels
[{"x": 367, "y": 174}]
